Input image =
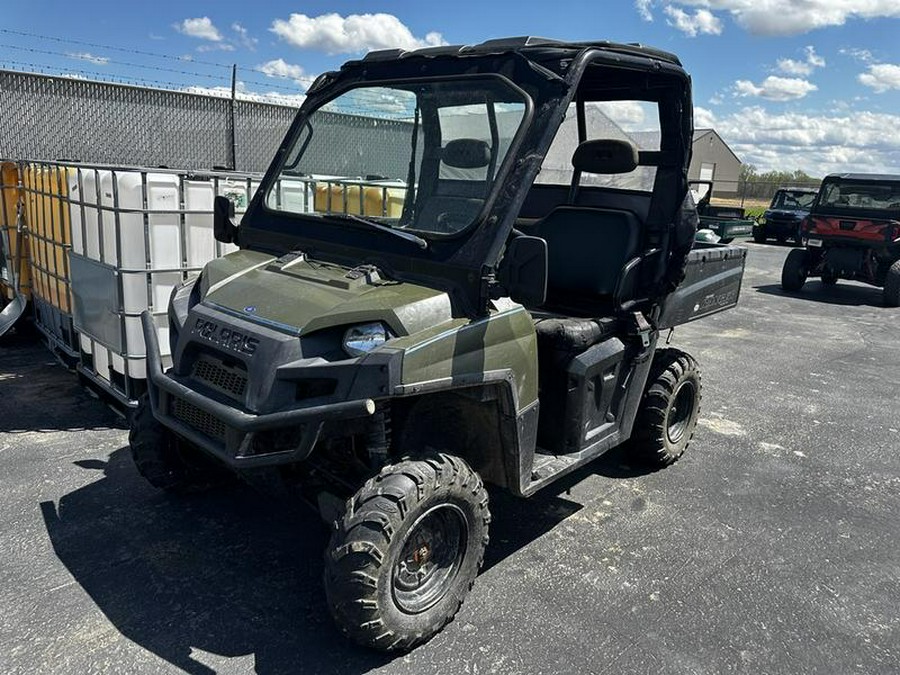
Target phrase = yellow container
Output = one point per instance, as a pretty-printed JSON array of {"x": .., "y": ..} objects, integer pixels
[
  {"x": 369, "y": 199},
  {"x": 47, "y": 216},
  {"x": 10, "y": 193}
]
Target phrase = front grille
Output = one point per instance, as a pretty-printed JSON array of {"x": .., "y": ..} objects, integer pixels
[
  {"x": 229, "y": 380},
  {"x": 200, "y": 420}
]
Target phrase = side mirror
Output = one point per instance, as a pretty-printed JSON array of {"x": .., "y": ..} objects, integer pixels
[
  {"x": 224, "y": 229},
  {"x": 523, "y": 270}
]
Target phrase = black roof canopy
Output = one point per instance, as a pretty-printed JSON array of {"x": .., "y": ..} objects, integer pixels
[{"x": 550, "y": 73}]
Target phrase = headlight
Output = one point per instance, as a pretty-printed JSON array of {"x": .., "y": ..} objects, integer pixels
[{"x": 362, "y": 339}]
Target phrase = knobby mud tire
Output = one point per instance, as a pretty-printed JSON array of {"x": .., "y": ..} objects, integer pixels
[
  {"x": 166, "y": 462},
  {"x": 795, "y": 270},
  {"x": 668, "y": 413},
  {"x": 363, "y": 558}
]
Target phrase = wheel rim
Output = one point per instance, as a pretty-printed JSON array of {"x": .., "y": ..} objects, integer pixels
[
  {"x": 430, "y": 558},
  {"x": 680, "y": 412}
]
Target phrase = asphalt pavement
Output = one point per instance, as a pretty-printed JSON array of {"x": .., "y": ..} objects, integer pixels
[{"x": 773, "y": 546}]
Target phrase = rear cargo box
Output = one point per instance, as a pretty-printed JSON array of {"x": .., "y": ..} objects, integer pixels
[{"x": 712, "y": 283}]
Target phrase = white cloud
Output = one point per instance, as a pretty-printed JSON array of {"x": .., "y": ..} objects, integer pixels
[
  {"x": 629, "y": 115},
  {"x": 643, "y": 8},
  {"x": 336, "y": 34},
  {"x": 805, "y": 67},
  {"x": 86, "y": 56},
  {"x": 775, "y": 88},
  {"x": 792, "y": 67},
  {"x": 777, "y": 17},
  {"x": 818, "y": 144},
  {"x": 881, "y": 77},
  {"x": 863, "y": 55},
  {"x": 701, "y": 22},
  {"x": 243, "y": 36},
  {"x": 216, "y": 47},
  {"x": 201, "y": 27},
  {"x": 281, "y": 69},
  {"x": 703, "y": 118}
]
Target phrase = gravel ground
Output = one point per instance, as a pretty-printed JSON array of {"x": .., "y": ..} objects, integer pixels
[{"x": 772, "y": 547}]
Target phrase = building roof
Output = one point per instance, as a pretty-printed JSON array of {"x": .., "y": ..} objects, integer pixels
[{"x": 702, "y": 133}]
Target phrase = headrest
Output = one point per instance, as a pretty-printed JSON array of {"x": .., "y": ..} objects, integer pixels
[
  {"x": 606, "y": 156},
  {"x": 466, "y": 153}
]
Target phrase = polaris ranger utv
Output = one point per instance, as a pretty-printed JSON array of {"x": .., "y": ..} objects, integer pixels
[
  {"x": 447, "y": 304},
  {"x": 852, "y": 232}
]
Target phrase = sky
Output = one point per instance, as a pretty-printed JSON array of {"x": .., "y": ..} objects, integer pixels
[{"x": 810, "y": 84}]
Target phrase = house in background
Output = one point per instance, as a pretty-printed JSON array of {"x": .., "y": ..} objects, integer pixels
[{"x": 713, "y": 160}]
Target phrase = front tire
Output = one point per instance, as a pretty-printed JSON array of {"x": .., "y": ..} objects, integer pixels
[
  {"x": 892, "y": 286},
  {"x": 795, "y": 270},
  {"x": 405, "y": 554},
  {"x": 829, "y": 278},
  {"x": 668, "y": 413},
  {"x": 166, "y": 462}
]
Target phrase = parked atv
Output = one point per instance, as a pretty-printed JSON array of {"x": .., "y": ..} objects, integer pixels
[
  {"x": 783, "y": 219},
  {"x": 852, "y": 232},
  {"x": 727, "y": 222},
  {"x": 431, "y": 318}
]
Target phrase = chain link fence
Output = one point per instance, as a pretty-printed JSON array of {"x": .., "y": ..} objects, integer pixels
[{"x": 53, "y": 118}]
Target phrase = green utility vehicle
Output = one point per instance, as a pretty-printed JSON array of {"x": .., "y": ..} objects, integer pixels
[
  {"x": 728, "y": 222},
  {"x": 469, "y": 288}
]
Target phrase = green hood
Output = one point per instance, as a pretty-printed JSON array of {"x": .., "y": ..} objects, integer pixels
[{"x": 302, "y": 295}]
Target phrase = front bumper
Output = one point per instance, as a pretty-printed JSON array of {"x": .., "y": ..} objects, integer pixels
[
  {"x": 239, "y": 428},
  {"x": 781, "y": 228}
]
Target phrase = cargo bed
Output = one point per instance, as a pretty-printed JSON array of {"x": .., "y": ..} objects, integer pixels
[
  {"x": 727, "y": 228},
  {"x": 712, "y": 283}
]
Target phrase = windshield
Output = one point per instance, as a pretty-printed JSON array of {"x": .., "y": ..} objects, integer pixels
[
  {"x": 420, "y": 156},
  {"x": 793, "y": 201},
  {"x": 870, "y": 196}
]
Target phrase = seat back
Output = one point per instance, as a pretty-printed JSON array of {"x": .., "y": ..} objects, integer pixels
[{"x": 588, "y": 249}]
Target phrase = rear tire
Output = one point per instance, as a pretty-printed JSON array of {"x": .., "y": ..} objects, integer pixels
[
  {"x": 668, "y": 413},
  {"x": 165, "y": 461},
  {"x": 759, "y": 236},
  {"x": 829, "y": 278},
  {"x": 892, "y": 285},
  {"x": 795, "y": 271},
  {"x": 405, "y": 554}
]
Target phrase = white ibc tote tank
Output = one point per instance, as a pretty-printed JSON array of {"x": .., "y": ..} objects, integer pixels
[
  {"x": 130, "y": 222},
  {"x": 138, "y": 233}
]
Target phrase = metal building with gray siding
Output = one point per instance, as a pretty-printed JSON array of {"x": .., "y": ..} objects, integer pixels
[{"x": 714, "y": 160}]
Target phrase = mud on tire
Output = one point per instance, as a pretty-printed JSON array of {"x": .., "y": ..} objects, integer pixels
[
  {"x": 167, "y": 463},
  {"x": 406, "y": 552},
  {"x": 668, "y": 412}
]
